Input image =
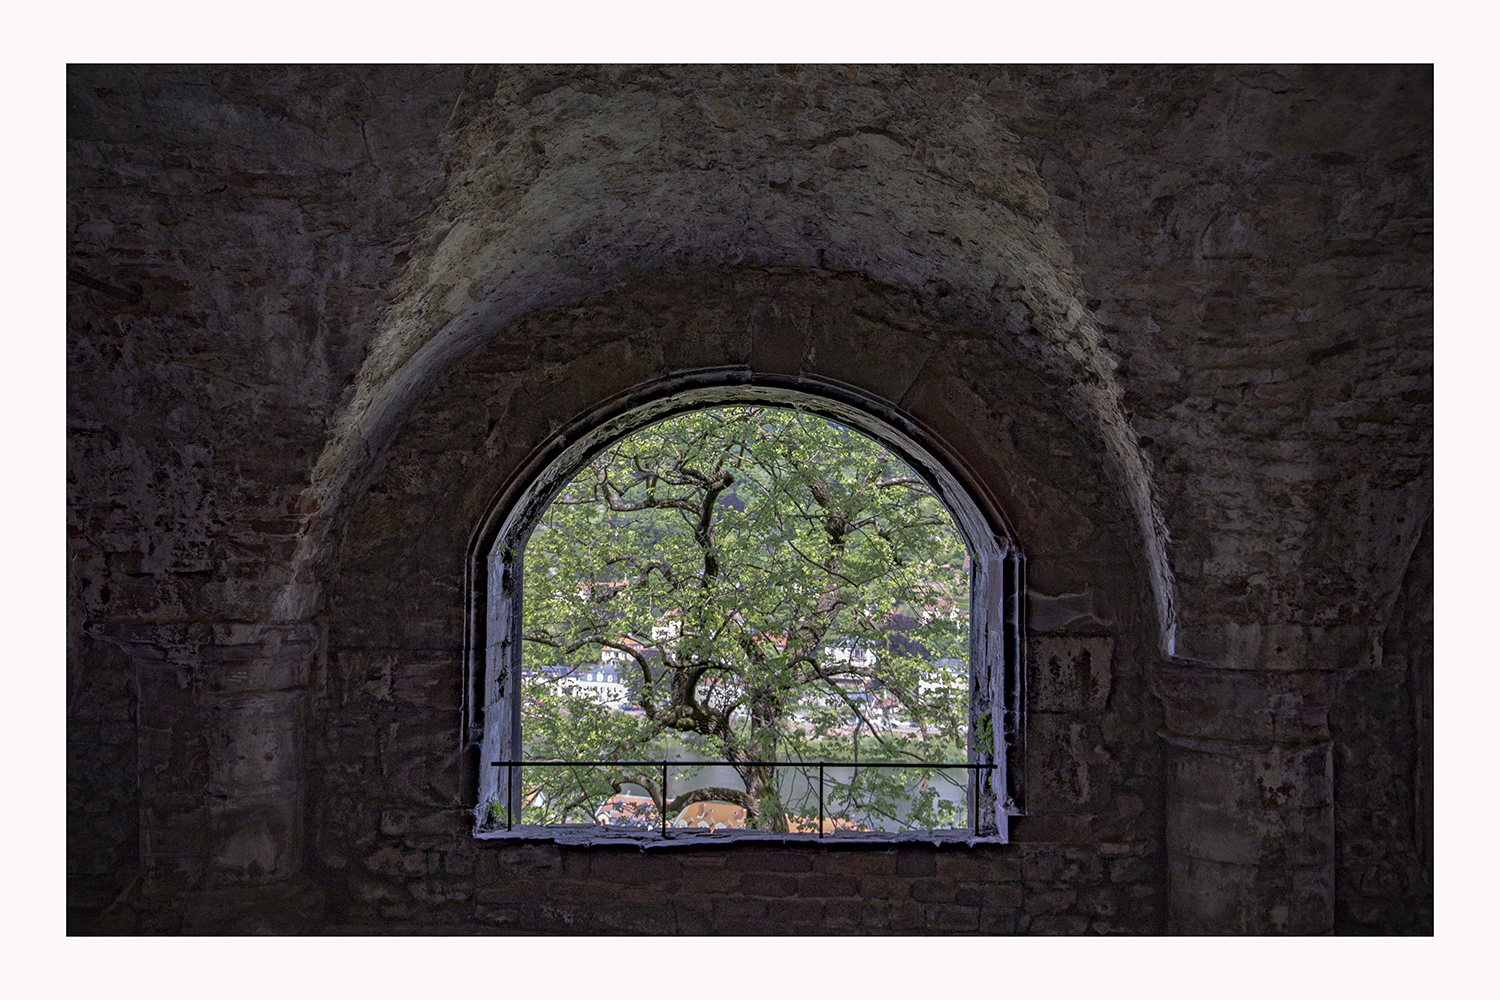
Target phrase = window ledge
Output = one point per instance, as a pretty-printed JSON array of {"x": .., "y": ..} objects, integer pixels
[{"x": 582, "y": 836}]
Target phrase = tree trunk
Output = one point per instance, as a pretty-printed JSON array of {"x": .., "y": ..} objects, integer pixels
[{"x": 760, "y": 780}]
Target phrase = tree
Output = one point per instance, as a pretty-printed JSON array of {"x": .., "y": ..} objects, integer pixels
[{"x": 778, "y": 588}]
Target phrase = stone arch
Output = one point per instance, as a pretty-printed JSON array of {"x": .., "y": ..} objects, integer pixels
[
  {"x": 560, "y": 189},
  {"x": 395, "y": 603}
]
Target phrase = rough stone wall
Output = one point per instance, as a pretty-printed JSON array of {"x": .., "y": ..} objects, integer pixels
[
  {"x": 262, "y": 224},
  {"x": 1189, "y": 307},
  {"x": 1257, "y": 245},
  {"x": 1383, "y": 772},
  {"x": 392, "y": 841},
  {"x": 263, "y": 227},
  {"x": 103, "y": 790},
  {"x": 1261, "y": 266}
]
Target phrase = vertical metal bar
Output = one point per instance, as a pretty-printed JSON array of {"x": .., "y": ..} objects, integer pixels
[
  {"x": 820, "y": 798},
  {"x": 664, "y": 800},
  {"x": 975, "y": 783},
  {"x": 510, "y": 780}
]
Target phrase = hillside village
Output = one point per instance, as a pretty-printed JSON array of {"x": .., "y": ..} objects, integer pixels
[{"x": 607, "y": 680}]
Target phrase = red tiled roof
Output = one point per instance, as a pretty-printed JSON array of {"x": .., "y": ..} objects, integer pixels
[{"x": 711, "y": 815}]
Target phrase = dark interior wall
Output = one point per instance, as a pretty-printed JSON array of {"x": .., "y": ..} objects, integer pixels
[
  {"x": 226, "y": 196},
  {"x": 104, "y": 798},
  {"x": 1182, "y": 314},
  {"x": 392, "y": 841},
  {"x": 1383, "y": 771}
]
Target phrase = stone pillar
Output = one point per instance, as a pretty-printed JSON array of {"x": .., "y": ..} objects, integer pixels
[
  {"x": 220, "y": 751},
  {"x": 1249, "y": 826}
]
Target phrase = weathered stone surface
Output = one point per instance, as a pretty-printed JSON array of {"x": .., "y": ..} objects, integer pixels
[
  {"x": 1173, "y": 324},
  {"x": 1070, "y": 674},
  {"x": 1383, "y": 772}
]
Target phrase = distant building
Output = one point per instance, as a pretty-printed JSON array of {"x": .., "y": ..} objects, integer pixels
[
  {"x": 627, "y": 810},
  {"x": 603, "y": 681}
]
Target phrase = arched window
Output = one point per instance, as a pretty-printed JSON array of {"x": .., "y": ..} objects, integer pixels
[{"x": 764, "y": 613}]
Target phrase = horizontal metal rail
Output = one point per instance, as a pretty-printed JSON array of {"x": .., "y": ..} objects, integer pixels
[{"x": 512, "y": 765}]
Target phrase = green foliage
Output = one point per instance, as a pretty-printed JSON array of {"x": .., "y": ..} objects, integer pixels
[
  {"x": 986, "y": 730},
  {"x": 778, "y": 587}
]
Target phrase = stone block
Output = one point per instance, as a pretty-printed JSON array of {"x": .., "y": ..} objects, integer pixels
[
  {"x": 759, "y": 859},
  {"x": 435, "y": 684},
  {"x": 875, "y": 914},
  {"x": 791, "y": 912},
  {"x": 256, "y": 741},
  {"x": 908, "y": 916},
  {"x": 1099, "y": 902},
  {"x": 856, "y": 862},
  {"x": 255, "y": 839},
  {"x": 500, "y": 914},
  {"x": 1054, "y": 828},
  {"x": 1058, "y": 924},
  {"x": 514, "y": 860},
  {"x": 969, "y": 894},
  {"x": 916, "y": 862},
  {"x": 1046, "y": 865},
  {"x": 953, "y": 917},
  {"x": 738, "y": 908},
  {"x": 932, "y": 890},
  {"x": 978, "y": 864},
  {"x": 461, "y": 861},
  {"x": 1069, "y": 673},
  {"x": 632, "y": 865},
  {"x": 398, "y": 822},
  {"x": 395, "y": 861},
  {"x": 842, "y": 915},
  {"x": 885, "y": 887},
  {"x": 824, "y": 886},
  {"x": 757, "y": 884},
  {"x": 1002, "y": 896},
  {"x": 656, "y": 920},
  {"x": 694, "y": 916},
  {"x": 997, "y": 921},
  {"x": 282, "y": 662},
  {"x": 1242, "y": 808},
  {"x": 1214, "y": 897},
  {"x": 1063, "y": 756},
  {"x": 695, "y": 862},
  {"x": 1080, "y": 610},
  {"x": 441, "y": 891},
  {"x": 575, "y": 861},
  {"x": 1043, "y": 901},
  {"x": 839, "y": 351},
  {"x": 1129, "y": 869},
  {"x": 582, "y": 894},
  {"x": 711, "y": 880}
]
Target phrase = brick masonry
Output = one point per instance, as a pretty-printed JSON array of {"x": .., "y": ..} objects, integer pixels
[{"x": 1174, "y": 322}]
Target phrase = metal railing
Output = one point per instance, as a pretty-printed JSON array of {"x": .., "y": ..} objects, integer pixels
[{"x": 512, "y": 766}]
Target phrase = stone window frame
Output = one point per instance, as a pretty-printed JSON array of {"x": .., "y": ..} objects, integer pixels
[{"x": 495, "y": 569}]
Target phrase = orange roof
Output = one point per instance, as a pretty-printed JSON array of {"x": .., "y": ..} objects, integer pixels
[
  {"x": 712, "y": 816},
  {"x": 626, "y": 810},
  {"x": 638, "y": 810}
]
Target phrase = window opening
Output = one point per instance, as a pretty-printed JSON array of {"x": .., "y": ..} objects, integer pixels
[{"x": 762, "y": 619}]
